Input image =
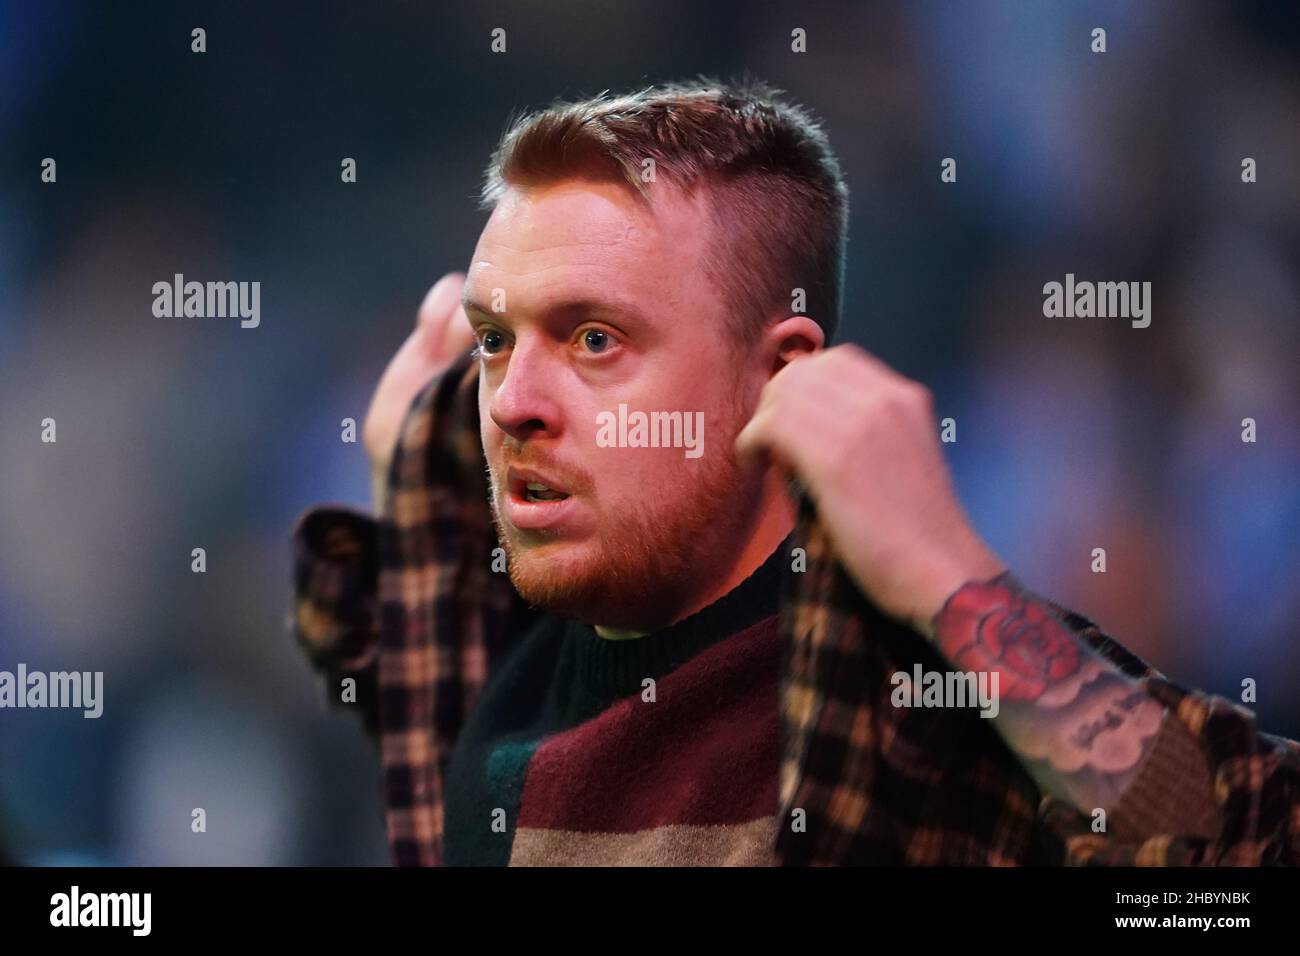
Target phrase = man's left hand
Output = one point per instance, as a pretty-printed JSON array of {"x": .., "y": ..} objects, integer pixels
[{"x": 862, "y": 440}]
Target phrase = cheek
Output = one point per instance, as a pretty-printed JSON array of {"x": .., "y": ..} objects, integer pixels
[
  {"x": 644, "y": 479},
  {"x": 489, "y": 434}
]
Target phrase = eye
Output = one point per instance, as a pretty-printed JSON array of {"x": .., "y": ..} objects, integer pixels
[
  {"x": 491, "y": 341},
  {"x": 596, "y": 340}
]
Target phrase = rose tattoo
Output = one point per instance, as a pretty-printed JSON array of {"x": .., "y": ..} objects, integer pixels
[
  {"x": 1078, "y": 713},
  {"x": 989, "y": 626}
]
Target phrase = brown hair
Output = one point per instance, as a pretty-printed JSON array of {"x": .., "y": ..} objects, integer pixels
[{"x": 778, "y": 199}]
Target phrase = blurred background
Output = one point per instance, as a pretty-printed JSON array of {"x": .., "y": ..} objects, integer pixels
[{"x": 1072, "y": 434}]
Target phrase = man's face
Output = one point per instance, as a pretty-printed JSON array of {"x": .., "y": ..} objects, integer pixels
[{"x": 582, "y": 299}]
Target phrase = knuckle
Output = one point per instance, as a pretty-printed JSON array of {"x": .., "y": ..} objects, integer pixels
[{"x": 905, "y": 394}]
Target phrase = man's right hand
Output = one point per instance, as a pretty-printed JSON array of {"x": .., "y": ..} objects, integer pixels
[{"x": 442, "y": 332}]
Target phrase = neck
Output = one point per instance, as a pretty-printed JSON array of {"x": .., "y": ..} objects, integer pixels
[{"x": 775, "y": 521}]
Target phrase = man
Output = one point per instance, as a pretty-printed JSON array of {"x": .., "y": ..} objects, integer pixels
[{"x": 746, "y": 620}]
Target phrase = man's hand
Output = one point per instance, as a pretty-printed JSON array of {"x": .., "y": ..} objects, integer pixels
[
  {"x": 862, "y": 440},
  {"x": 442, "y": 332}
]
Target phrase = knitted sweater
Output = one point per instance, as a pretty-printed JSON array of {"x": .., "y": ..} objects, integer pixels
[{"x": 658, "y": 750}]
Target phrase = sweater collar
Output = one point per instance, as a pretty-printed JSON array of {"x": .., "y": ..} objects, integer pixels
[{"x": 615, "y": 668}]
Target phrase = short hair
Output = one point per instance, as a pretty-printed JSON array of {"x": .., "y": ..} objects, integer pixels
[{"x": 777, "y": 198}]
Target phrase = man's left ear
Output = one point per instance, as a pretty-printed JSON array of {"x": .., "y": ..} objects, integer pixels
[{"x": 792, "y": 338}]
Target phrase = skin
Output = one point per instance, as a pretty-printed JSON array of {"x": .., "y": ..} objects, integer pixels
[{"x": 648, "y": 536}]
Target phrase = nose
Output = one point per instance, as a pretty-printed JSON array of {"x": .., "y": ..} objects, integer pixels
[{"x": 521, "y": 405}]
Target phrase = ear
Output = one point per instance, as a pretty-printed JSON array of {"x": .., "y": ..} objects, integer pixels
[{"x": 792, "y": 338}]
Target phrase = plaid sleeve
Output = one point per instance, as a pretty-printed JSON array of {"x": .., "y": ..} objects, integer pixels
[
  {"x": 866, "y": 782},
  {"x": 1213, "y": 790},
  {"x": 333, "y": 617},
  {"x": 871, "y": 782}
]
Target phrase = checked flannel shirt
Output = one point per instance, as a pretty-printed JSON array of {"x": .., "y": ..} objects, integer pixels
[{"x": 408, "y": 606}]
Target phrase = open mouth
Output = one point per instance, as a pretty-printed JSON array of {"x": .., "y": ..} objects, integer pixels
[
  {"x": 532, "y": 487},
  {"x": 536, "y": 502},
  {"x": 536, "y": 491}
]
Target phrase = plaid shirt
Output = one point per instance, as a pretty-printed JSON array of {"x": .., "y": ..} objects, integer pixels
[{"x": 409, "y": 608}]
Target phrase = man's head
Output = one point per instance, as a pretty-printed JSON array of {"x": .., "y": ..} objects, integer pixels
[{"x": 666, "y": 252}]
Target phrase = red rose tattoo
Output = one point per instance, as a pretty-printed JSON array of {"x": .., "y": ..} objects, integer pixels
[
  {"x": 989, "y": 626},
  {"x": 1080, "y": 724}
]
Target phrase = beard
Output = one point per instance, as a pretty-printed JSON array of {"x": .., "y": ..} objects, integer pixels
[{"x": 649, "y": 560}]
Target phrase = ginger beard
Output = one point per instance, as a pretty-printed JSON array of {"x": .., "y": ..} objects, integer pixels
[{"x": 652, "y": 553}]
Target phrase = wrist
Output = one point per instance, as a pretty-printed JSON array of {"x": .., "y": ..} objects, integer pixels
[{"x": 977, "y": 565}]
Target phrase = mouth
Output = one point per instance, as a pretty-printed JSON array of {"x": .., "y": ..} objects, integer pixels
[
  {"x": 533, "y": 487},
  {"x": 538, "y": 504},
  {"x": 535, "y": 491}
]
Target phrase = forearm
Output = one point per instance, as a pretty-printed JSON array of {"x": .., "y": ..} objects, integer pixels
[{"x": 1080, "y": 725}]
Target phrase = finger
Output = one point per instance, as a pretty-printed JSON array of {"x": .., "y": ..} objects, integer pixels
[
  {"x": 440, "y": 301},
  {"x": 754, "y": 446},
  {"x": 460, "y": 334},
  {"x": 865, "y": 367},
  {"x": 755, "y": 440}
]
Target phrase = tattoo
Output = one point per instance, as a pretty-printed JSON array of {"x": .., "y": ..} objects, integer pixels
[
  {"x": 1081, "y": 724},
  {"x": 1087, "y": 733}
]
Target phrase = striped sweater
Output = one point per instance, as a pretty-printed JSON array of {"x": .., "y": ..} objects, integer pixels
[{"x": 658, "y": 750}]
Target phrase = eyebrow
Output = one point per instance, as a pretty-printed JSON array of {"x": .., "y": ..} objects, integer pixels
[{"x": 571, "y": 307}]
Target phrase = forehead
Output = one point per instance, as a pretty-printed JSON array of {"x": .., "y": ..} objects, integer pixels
[{"x": 593, "y": 238}]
